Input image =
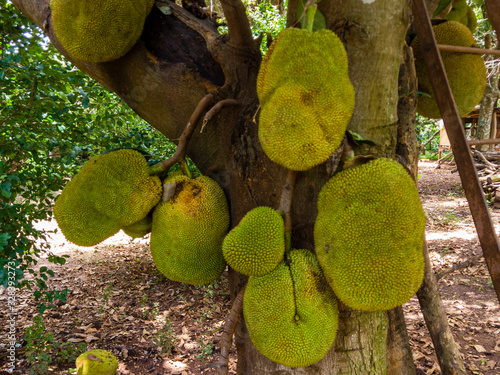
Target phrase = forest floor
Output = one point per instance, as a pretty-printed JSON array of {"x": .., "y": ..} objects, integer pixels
[{"x": 119, "y": 302}]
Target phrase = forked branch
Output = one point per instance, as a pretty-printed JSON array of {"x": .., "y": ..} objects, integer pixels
[{"x": 185, "y": 137}]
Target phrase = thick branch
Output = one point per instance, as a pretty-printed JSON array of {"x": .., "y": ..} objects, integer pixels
[
  {"x": 227, "y": 334},
  {"x": 238, "y": 26}
]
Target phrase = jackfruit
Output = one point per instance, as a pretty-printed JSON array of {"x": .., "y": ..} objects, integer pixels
[
  {"x": 188, "y": 230},
  {"x": 466, "y": 71},
  {"x": 369, "y": 235},
  {"x": 141, "y": 228},
  {"x": 306, "y": 98},
  {"x": 96, "y": 30},
  {"x": 291, "y": 313},
  {"x": 96, "y": 362},
  {"x": 257, "y": 244},
  {"x": 111, "y": 191},
  {"x": 458, "y": 11}
]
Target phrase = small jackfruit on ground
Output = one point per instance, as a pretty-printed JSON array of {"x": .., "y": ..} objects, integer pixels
[
  {"x": 96, "y": 362},
  {"x": 291, "y": 313},
  {"x": 466, "y": 71},
  {"x": 188, "y": 230},
  {"x": 369, "y": 235},
  {"x": 96, "y": 30},
  {"x": 306, "y": 98},
  {"x": 111, "y": 191},
  {"x": 257, "y": 244}
]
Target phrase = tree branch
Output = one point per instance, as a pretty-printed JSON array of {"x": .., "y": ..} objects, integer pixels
[
  {"x": 227, "y": 334},
  {"x": 216, "y": 109},
  {"x": 240, "y": 33},
  {"x": 185, "y": 137}
]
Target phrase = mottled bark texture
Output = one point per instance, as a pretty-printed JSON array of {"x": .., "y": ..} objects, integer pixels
[{"x": 180, "y": 59}]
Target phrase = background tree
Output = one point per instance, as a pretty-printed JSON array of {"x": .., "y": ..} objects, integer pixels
[{"x": 181, "y": 58}]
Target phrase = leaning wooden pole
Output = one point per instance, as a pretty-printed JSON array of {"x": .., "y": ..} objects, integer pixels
[{"x": 456, "y": 134}]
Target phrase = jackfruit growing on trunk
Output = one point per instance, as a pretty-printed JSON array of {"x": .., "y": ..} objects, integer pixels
[
  {"x": 306, "y": 97},
  {"x": 291, "y": 313},
  {"x": 369, "y": 235},
  {"x": 188, "y": 230}
]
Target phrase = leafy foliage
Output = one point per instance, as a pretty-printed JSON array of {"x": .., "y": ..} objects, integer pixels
[{"x": 52, "y": 119}]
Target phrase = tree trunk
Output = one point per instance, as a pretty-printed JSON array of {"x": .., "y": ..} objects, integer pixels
[{"x": 163, "y": 83}]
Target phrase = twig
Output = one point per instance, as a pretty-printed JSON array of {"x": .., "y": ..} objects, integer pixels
[
  {"x": 238, "y": 26},
  {"x": 458, "y": 266},
  {"x": 422, "y": 147},
  {"x": 227, "y": 335},
  {"x": 185, "y": 137},
  {"x": 481, "y": 156},
  {"x": 216, "y": 109}
]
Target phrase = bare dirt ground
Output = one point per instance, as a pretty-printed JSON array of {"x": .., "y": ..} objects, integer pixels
[{"x": 119, "y": 302}]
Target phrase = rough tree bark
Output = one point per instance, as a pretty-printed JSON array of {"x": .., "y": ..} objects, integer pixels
[{"x": 180, "y": 59}]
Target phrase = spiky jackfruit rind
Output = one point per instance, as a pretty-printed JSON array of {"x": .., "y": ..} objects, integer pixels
[
  {"x": 466, "y": 72},
  {"x": 306, "y": 98},
  {"x": 96, "y": 30},
  {"x": 96, "y": 362},
  {"x": 291, "y": 313},
  {"x": 257, "y": 244},
  {"x": 122, "y": 188},
  {"x": 140, "y": 228},
  {"x": 188, "y": 230},
  {"x": 369, "y": 235},
  {"x": 109, "y": 192}
]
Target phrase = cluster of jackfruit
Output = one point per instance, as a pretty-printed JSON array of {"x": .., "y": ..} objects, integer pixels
[
  {"x": 257, "y": 244},
  {"x": 466, "y": 71},
  {"x": 463, "y": 13},
  {"x": 189, "y": 225},
  {"x": 97, "y": 30},
  {"x": 291, "y": 313},
  {"x": 369, "y": 235},
  {"x": 306, "y": 98},
  {"x": 110, "y": 192},
  {"x": 96, "y": 362}
]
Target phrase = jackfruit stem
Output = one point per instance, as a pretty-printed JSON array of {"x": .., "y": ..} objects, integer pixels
[
  {"x": 185, "y": 168},
  {"x": 286, "y": 199},
  {"x": 186, "y": 135},
  {"x": 311, "y": 11}
]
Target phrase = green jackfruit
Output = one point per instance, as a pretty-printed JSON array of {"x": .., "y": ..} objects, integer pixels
[
  {"x": 141, "y": 228},
  {"x": 111, "y": 191},
  {"x": 257, "y": 244},
  {"x": 306, "y": 98},
  {"x": 463, "y": 13},
  {"x": 458, "y": 11},
  {"x": 96, "y": 30},
  {"x": 188, "y": 230},
  {"x": 466, "y": 71},
  {"x": 291, "y": 313},
  {"x": 369, "y": 235},
  {"x": 96, "y": 362}
]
